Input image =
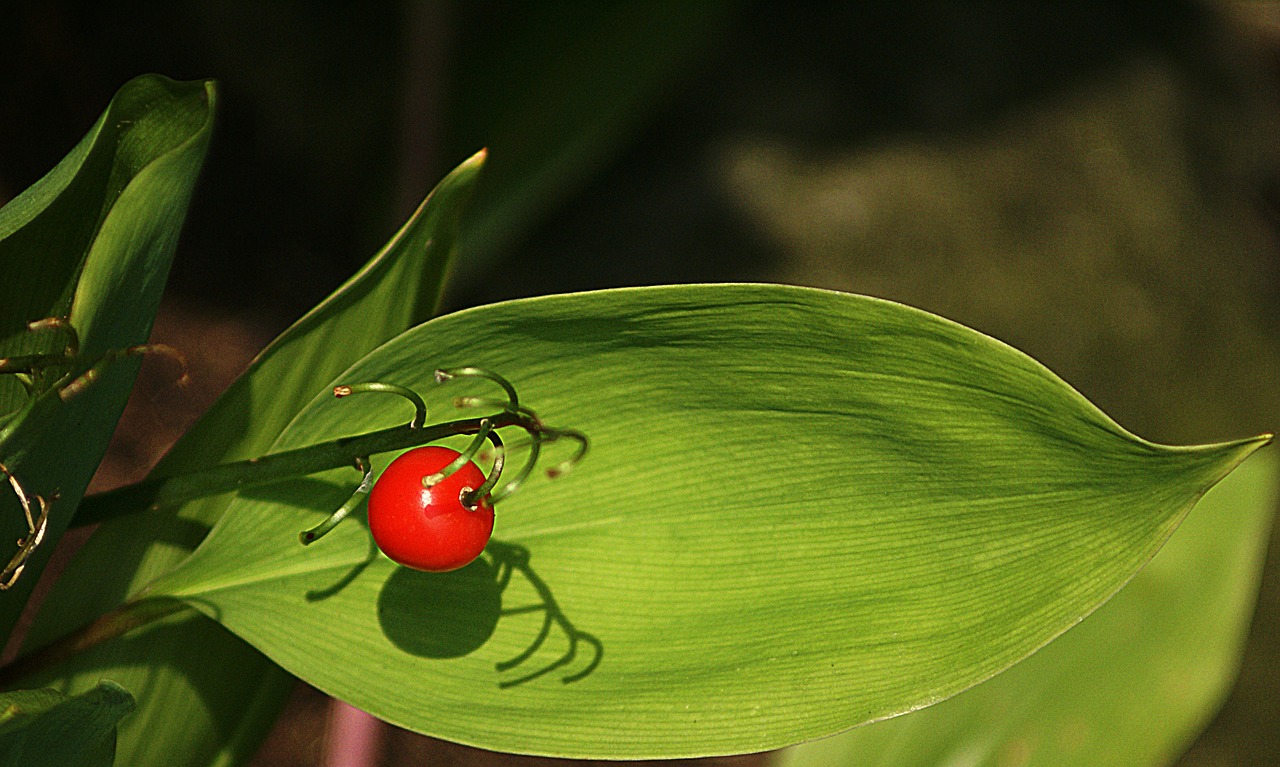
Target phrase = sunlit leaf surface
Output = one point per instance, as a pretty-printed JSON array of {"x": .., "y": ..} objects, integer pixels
[
  {"x": 802, "y": 511},
  {"x": 1129, "y": 687}
]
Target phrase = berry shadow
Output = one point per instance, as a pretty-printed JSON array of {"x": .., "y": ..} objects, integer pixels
[
  {"x": 448, "y": 615},
  {"x": 441, "y": 615}
]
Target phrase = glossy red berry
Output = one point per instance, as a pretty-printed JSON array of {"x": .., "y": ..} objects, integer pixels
[{"x": 429, "y": 528}]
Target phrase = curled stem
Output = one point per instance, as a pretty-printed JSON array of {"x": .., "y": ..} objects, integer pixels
[
  {"x": 419, "y": 407},
  {"x": 486, "y": 428},
  {"x": 172, "y": 490},
  {"x": 562, "y": 468},
  {"x": 63, "y": 324},
  {"x": 527, "y": 412},
  {"x": 85, "y": 379},
  {"x": 168, "y": 491},
  {"x": 475, "y": 496},
  {"x": 28, "y": 368},
  {"x": 314, "y": 534},
  {"x": 36, "y": 527},
  {"x": 513, "y": 400},
  {"x": 535, "y": 448}
]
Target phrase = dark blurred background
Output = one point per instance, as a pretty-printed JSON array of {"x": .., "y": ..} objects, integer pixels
[{"x": 1096, "y": 183}]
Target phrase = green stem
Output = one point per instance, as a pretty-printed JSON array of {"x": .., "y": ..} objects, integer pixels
[
  {"x": 118, "y": 622},
  {"x": 476, "y": 495},
  {"x": 535, "y": 449},
  {"x": 419, "y": 407},
  {"x": 156, "y": 493},
  {"x": 308, "y": 537},
  {"x": 513, "y": 400},
  {"x": 562, "y": 468},
  {"x": 464, "y": 458}
]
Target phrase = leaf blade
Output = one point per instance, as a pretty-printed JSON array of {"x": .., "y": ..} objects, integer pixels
[
  {"x": 1129, "y": 686},
  {"x": 918, "y": 507},
  {"x": 92, "y": 242}
]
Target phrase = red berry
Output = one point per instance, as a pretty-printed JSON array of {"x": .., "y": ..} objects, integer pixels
[{"x": 429, "y": 528}]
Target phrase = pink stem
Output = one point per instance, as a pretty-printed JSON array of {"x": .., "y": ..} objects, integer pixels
[{"x": 353, "y": 738}]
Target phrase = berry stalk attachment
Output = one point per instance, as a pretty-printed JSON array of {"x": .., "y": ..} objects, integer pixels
[
  {"x": 448, "y": 524},
  {"x": 433, "y": 527},
  {"x": 476, "y": 492},
  {"x": 432, "y": 508}
]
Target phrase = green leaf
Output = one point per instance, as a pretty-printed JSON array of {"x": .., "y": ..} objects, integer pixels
[
  {"x": 802, "y": 511},
  {"x": 209, "y": 697},
  {"x": 1130, "y": 686},
  {"x": 44, "y": 727},
  {"x": 91, "y": 241}
]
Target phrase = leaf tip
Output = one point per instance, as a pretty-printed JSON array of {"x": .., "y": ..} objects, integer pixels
[
  {"x": 1235, "y": 453},
  {"x": 1248, "y": 446},
  {"x": 476, "y": 160}
]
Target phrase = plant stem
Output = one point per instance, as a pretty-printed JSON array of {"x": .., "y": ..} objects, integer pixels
[
  {"x": 151, "y": 494},
  {"x": 118, "y": 622}
]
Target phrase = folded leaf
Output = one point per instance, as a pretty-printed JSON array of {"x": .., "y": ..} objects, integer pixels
[
  {"x": 205, "y": 696},
  {"x": 92, "y": 242},
  {"x": 802, "y": 511},
  {"x": 44, "y": 727}
]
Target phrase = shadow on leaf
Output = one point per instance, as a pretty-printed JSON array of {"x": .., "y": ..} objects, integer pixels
[
  {"x": 448, "y": 615},
  {"x": 316, "y": 595},
  {"x": 510, "y": 559},
  {"x": 440, "y": 615}
]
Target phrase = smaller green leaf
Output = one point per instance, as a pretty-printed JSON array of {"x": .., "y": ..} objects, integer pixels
[
  {"x": 91, "y": 242},
  {"x": 44, "y": 727},
  {"x": 208, "y": 695}
]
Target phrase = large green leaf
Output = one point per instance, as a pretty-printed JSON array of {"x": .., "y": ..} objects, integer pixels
[
  {"x": 91, "y": 241},
  {"x": 802, "y": 511},
  {"x": 1129, "y": 687},
  {"x": 205, "y": 696},
  {"x": 44, "y": 727}
]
